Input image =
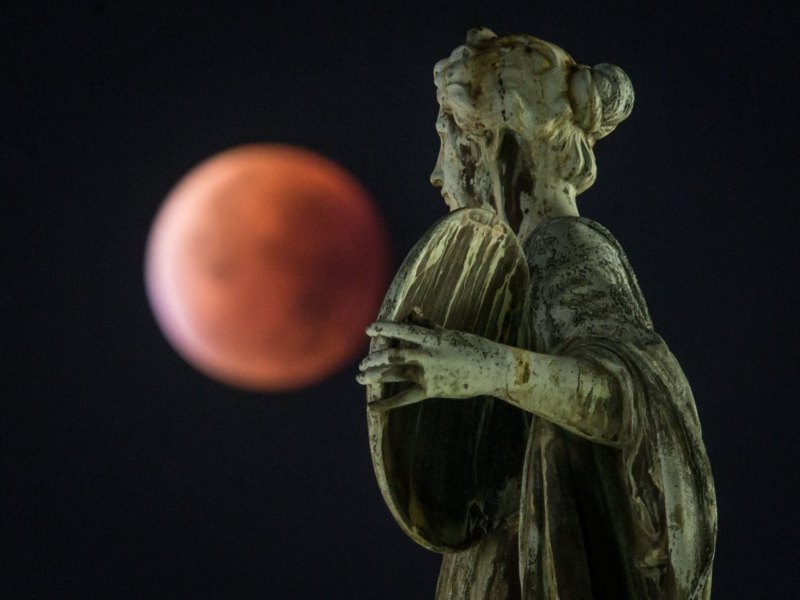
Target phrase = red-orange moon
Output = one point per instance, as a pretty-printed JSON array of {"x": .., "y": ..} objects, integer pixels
[{"x": 264, "y": 265}]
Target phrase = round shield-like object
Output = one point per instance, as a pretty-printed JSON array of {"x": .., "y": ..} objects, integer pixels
[{"x": 449, "y": 469}]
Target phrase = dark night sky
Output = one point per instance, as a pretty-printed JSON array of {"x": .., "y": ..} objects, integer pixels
[{"x": 127, "y": 474}]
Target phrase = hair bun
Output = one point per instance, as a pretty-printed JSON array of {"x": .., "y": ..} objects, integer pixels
[
  {"x": 616, "y": 95},
  {"x": 601, "y": 98},
  {"x": 586, "y": 103}
]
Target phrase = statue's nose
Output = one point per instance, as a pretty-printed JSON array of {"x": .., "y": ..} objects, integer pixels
[{"x": 437, "y": 178}]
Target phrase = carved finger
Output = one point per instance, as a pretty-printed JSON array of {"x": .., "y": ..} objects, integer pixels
[
  {"x": 393, "y": 357},
  {"x": 383, "y": 375},
  {"x": 413, "y": 334},
  {"x": 412, "y": 395}
]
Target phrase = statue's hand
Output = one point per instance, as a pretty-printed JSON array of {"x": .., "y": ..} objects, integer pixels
[{"x": 443, "y": 364}]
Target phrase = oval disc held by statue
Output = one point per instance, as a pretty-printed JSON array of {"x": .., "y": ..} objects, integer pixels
[{"x": 450, "y": 469}]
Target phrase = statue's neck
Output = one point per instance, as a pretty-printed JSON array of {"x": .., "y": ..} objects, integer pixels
[
  {"x": 526, "y": 193},
  {"x": 550, "y": 200}
]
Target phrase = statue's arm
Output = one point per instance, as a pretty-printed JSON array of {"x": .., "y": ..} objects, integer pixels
[{"x": 572, "y": 393}]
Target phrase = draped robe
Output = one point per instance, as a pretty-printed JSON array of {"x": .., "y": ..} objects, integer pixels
[{"x": 602, "y": 514}]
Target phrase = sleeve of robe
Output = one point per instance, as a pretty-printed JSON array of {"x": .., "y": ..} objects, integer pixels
[{"x": 586, "y": 303}]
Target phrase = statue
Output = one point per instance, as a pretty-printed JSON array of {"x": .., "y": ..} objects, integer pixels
[{"x": 525, "y": 418}]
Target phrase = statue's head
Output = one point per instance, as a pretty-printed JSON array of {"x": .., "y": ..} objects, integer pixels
[{"x": 519, "y": 90}]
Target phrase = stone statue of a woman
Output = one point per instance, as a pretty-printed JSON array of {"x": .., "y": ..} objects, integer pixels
[{"x": 615, "y": 495}]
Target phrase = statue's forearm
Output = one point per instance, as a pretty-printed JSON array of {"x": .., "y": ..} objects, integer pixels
[{"x": 571, "y": 392}]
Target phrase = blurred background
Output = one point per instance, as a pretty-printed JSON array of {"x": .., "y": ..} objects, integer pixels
[{"x": 125, "y": 473}]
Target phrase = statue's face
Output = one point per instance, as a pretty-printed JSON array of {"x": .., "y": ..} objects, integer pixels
[{"x": 455, "y": 170}]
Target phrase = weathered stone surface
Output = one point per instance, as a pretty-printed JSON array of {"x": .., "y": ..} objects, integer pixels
[
  {"x": 613, "y": 492},
  {"x": 450, "y": 470}
]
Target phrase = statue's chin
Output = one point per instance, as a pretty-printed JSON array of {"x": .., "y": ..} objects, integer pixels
[{"x": 450, "y": 201}]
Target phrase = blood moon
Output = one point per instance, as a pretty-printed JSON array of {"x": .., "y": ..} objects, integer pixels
[{"x": 264, "y": 265}]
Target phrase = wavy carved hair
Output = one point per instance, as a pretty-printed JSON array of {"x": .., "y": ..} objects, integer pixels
[{"x": 590, "y": 102}]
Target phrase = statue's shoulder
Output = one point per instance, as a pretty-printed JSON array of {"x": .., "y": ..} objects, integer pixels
[
  {"x": 571, "y": 239},
  {"x": 569, "y": 251},
  {"x": 574, "y": 230}
]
